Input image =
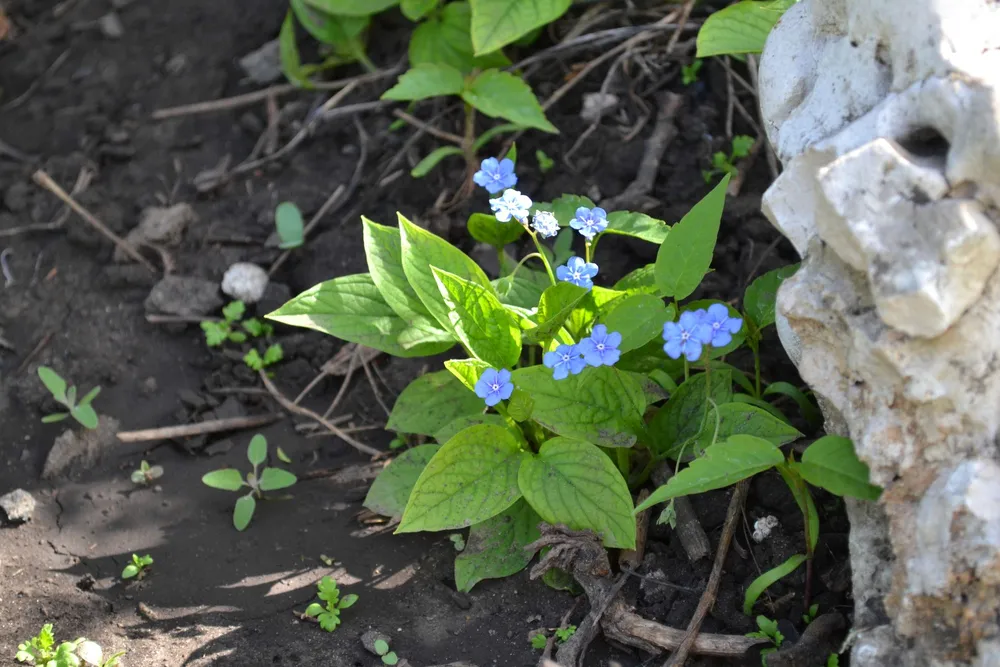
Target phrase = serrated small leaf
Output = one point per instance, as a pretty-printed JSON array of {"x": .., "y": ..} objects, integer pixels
[
  {"x": 497, "y": 23},
  {"x": 740, "y": 28},
  {"x": 273, "y": 479},
  {"x": 391, "y": 489},
  {"x": 761, "y": 583},
  {"x": 53, "y": 382},
  {"x": 430, "y": 402},
  {"x": 832, "y": 464},
  {"x": 470, "y": 479},
  {"x": 480, "y": 322},
  {"x": 574, "y": 483},
  {"x": 683, "y": 261},
  {"x": 229, "y": 479},
  {"x": 637, "y": 225},
  {"x": 243, "y": 512},
  {"x": 495, "y": 547},
  {"x": 722, "y": 465},
  {"x": 426, "y": 80},
  {"x": 760, "y": 296},
  {"x": 502, "y": 95}
]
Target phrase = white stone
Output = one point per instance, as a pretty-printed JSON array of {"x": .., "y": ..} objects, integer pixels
[
  {"x": 18, "y": 505},
  {"x": 245, "y": 281},
  {"x": 886, "y": 115},
  {"x": 91, "y": 653}
]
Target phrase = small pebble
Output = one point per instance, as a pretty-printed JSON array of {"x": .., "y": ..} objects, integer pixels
[{"x": 111, "y": 26}]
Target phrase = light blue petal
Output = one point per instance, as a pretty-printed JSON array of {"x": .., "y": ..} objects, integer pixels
[
  {"x": 692, "y": 350},
  {"x": 611, "y": 357},
  {"x": 673, "y": 348},
  {"x": 734, "y": 324},
  {"x": 482, "y": 389},
  {"x": 718, "y": 313},
  {"x": 577, "y": 364},
  {"x": 614, "y": 339},
  {"x": 503, "y": 375},
  {"x": 506, "y": 390},
  {"x": 550, "y": 359},
  {"x": 492, "y": 399},
  {"x": 721, "y": 339},
  {"x": 560, "y": 372}
]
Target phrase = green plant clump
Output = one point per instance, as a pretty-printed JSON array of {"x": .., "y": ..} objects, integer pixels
[
  {"x": 257, "y": 481},
  {"x": 234, "y": 329},
  {"x": 138, "y": 567},
  {"x": 570, "y": 393},
  {"x": 82, "y": 411},
  {"x": 146, "y": 474},
  {"x": 42, "y": 650},
  {"x": 723, "y": 163},
  {"x": 328, "y": 613}
]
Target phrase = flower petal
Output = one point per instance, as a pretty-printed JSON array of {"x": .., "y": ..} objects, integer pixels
[
  {"x": 673, "y": 348},
  {"x": 721, "y": 339},
  {"x": 614, "y": 339},
  {"x": 550, "y": 359},
  {"x": 692, "y": 350},
  {"x": 506, "y": 390},
  {"x": 503, "y": 376}
]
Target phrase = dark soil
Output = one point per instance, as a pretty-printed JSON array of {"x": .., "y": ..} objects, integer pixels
[{"x": 215, "y": 596}]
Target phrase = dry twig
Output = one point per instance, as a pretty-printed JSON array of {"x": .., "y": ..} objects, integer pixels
[{"x": 201, "y": 428}]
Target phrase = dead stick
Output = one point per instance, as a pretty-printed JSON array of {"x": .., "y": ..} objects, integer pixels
[
  {"x": 632, "y": 558},
  {"x": 188, "y": 430},
  {"x": 429, "y": 129},
  {"x": 46, "y": 182},
  {"x": 306, "y": 412},
  {"x": 689, "y": 529},
  {"x": 624, "y": 626},
  {"x": 714, "y": 579}
]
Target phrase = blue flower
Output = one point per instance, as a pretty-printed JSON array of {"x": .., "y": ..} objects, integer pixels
[
  {"x": 578, "y": 272},
  {"x": 511, "y": 204},
  {"x": 565, "y": 360},
  {"x": 723, "y": 326},
  {"x": 545, "y": 224},
  {"x": 589, "y": 221},
  {"x": 494, "y": 386},
  {"x": 601, "y": 349},
  {"x": 687, "y": 336},
  {"x": 495, "y": 175}
]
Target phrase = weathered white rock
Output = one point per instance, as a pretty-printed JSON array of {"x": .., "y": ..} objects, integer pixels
[
  {"x": 18, "y": 506},
  {"x": 245, "y": 281},
  {"x": 77, "y": 451},
  {"x": 159, "y": 225},
  {"x": 886, "y": 114},
  {"x": 183, "y": 295},
  {"x": 263, "y": 66}
]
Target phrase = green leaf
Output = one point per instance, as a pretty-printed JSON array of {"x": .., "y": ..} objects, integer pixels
[
  {"x": 423, "y": 250},
  {"x": 723, "y": 464},
  {"x": 381, "y": 646},
  {"x": 86, "y": 415},
  {"x": 352, "y": 308},
  {"x": 229, "y": 479},
  {"x": 288, "y": 222},
  {"x": 685, "y": 259},
  {"x": 576, "y": 484},
  {"x": 243, "y": 512},
  {"x": 495, "y": 548},
  {"x": 453, "y": 427},
  {"x": 494, "y": 132},
  {"x": 415, "y": 10},
  {"x": 444, "y": 39},
  {"x": 328, "y": 28},
  {"x": 273, "y": 354},
  {"x": 273, "y": 479},
  {"x": 740, "y": 418},
  {"x": 391, "y": 489},
  {"x": 466, "y": 370},
  {"x": 638, "y": 225},
  {"x": 518, "y": 291},
  {"x": 53, "y": 382},
  {"x": 427, "y": 80},
  {"x": 806, "y": 406},
  {"x": 758, "y": 300},
  {"x": 520, "y": 406},
  {"x": 352, "y": 7},
  {"x": 253, "y": 360},
  {"x": 792, "y": 476},
  {"x": 390, "y": 658},
  {"x": 288, "y": 50},
  {"x": 497, "y": 23},
  {"x": 600, "y": 405},
  {"x": 348, "y": 601},
  {"x": 233, "y": 311},
  {"x": 555, "y": 305},
  {"x": 740, "y": 28},
  {"x": 257, "y": 451},
  {"x": 680, "y": 420},
  {"x": 639, "y": 319},
  {"x": 760, "y": 403},
  {"x": 329, "y": 621},
  {"x": 470, "y": 479},
  {"x": 564, "y": 208},
  {"x": 425, "y": 166},
  {"x": 640, "y": 281},
  {"x": 315, "y": 609},
  {"x": 487, "y": 229},
  {"x": 480, "y": 321},
  {"x": 430, "y": 402},
  {"x": 502, "y": 95},
  {"x": 130, "y": 571},
  {"x": 90, "y": 396},
  {"x": 832, "y": 464},
  {"x": 761, "y": 583}
]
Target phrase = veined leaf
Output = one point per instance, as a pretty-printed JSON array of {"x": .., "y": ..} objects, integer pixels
[
  {"x": 430, "y": 402},
  {"x": 466, "y": 370},
  {"x": 760, "y": 297},
  {"x": 487, "y": 229},
  {"x": 495, "y": 548},
  {"x": 502, "y": 95},
  {"x": 454, "y": 427},
  {"x": 832, "y": 464},
  {"x": 639, "y": 319},
  {"x": 329, "y": 29},
  {"x": 740, "y": 28},
  {"x": 391, "y": 489},
  {"x": 764, "y": 581},
  {"x": 740, "y": 418},
  {"x": 352, "y": 7},
  {"x": 444, "y": 38},
  {"x": 497, "y": 23},
  {"x": 427, "y": 80},
  {"x": 555, "y": 305},
  {"x": 480, "y": 321},
  {"x": 679, "y": 421},
  {"x": 638, "y": 225}
]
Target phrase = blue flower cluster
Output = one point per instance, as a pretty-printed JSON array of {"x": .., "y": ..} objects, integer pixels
[
  {"x": 578, "y": 272},
  {"x": 697, "y": 328},
  {"x": 600, "y": 349},
  {"x": 494, "y": 386}
]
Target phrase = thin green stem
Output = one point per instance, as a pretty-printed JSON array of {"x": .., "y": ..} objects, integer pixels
[
  {"x": 586, "y": 251},
  {"x": 531, "y": 355},
  {"x": 687, "y": 370},
  {"x": 525, "y": 259},
  {"x": 756, "y": 368},
  {"x": 541, "y": 253}
]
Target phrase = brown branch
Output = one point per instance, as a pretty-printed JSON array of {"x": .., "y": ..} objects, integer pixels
[
  {"x": 429, "y": 129},
  {"x": 201, "y": 428}
]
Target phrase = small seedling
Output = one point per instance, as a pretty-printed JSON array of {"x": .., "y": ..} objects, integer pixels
[
  {"x": 458, "y": 541},
  {"x": 282, "y": 456},
  {"x": 138, "y": 567},
  {"x": 42, "y": 650},
  {"x": 269, "y": 479},
  {"x": 288, "y": 222},
  {"x": 397, "y": 442},
  {"x": 272, "y": 355},
  {"x": 545, "y": 163},
  {"x": 768, "y": 630},
  {"x": 146, "y": 474},
  {"x": 723, "y": 164},
  {"x": 217, "y": 333},
  {"x": 65, "y": 395},
  {"x": 328, "y": 614},
  {"x": 539, "y": 640},
  {"x": 810, "y": 614},
  {"x": 689, "y": 73},
  {"x": 563, "y": 634},
  {"x": 833, "y": 660},
  {"x": 388, "y": 657}
]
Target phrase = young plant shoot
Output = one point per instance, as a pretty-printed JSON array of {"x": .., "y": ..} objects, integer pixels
[
  {"x": 257, "y": 482},
  {"x": 82, "y": 411}
]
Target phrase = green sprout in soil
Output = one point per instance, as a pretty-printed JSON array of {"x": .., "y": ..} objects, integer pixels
[
  {"x": 234, "y": 329},
  {"x": 767, "y": 630},
  {"x": 689, "y": 73},
  {"x": 288, "y": 223},
  {"x": 563, "y": 634},
  {"x": 723, "y": 164},
  {"x": 65, "y": 395},
  {"x": 458, "y": 541},
  {"x": 539, "y": 640},
  {"x": 545, "y": 163},
  {"x": 328, "y": 613},
  {"x": 42, "y": 650},
  {"x": 810, "y": 614},
  {"x": 269, "y": 479},
  {"x": 388, "y": 657},
  {"x": 146, "y": 474},
  {"x": 272, "y": 355},
  {"x": 138, "y": 567}
]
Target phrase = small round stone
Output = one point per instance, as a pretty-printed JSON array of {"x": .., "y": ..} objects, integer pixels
[{"x": 245, "y": 282}]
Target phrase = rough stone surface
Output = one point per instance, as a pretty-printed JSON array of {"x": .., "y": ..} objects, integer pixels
[
  {"x": 263, "y": 66},
  {"x": 184, "y": 295},
  {"x": 18, "y": 506},
  {"x": 79, "y": 450},
  {"x": 886, "y": 114},
  {"x": 160, "y": 226},
  {"x": 245, "y": 281}
]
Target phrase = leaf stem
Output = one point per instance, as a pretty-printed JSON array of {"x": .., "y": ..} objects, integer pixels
[
  {"x": 624, "y": 462},
  {"x": 541, "y": 254},
  {"x": 586, "y": 251}
]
